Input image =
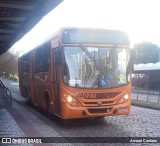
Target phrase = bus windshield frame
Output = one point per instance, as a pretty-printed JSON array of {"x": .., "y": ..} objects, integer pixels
[{"x": 95, "y": 67}]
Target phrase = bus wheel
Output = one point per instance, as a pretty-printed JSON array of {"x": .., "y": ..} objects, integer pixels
[
  {"x": 48, "y": 106},
  {"x": 26, "y": 97}
]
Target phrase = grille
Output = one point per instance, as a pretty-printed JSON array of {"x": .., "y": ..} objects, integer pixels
[
  {"x": 103, "y": 103},
  {"x": 102, "y": 110}
]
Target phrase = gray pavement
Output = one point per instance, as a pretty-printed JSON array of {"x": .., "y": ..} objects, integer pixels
[
  {"x": 8, "y": 126},
  {"x": 4, "y": 101}
]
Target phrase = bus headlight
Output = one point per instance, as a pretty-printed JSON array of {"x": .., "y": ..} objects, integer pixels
[
  {"x": 124, "y": 99},
  {"x": 71, "y": 101}
]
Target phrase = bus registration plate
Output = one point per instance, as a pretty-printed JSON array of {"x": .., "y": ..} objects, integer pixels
[{"x": 86, "y": 95}]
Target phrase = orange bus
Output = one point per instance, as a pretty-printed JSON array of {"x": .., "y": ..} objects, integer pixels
[{"x": 79, "y": 73}]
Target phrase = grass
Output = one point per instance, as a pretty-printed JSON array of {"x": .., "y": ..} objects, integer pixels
[{"x": 145, "y": 104}]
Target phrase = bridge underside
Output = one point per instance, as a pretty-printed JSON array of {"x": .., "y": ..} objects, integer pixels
[{"x": 17, "y": 17}]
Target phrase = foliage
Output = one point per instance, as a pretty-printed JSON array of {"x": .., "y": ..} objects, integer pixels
[
  {"x": 13, "y": 77},
  {"x": 9, "y": 63},
  {"x": 145, "y": 52}
]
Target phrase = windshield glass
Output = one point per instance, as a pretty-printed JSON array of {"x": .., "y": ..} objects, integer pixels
[{"x": 95, "y": 67}]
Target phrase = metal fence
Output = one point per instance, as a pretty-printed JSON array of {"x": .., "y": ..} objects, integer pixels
[
  {"x": 146, "y": 86},
  {"x": 5, "y": 95}
]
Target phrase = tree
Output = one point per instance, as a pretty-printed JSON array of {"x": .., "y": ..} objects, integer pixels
[
  {"x": 9, "y": 63},
  {"x": 145, "y": 52}
]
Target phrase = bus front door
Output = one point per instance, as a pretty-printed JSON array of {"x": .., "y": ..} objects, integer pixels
[{"x": 56, "y": 80}]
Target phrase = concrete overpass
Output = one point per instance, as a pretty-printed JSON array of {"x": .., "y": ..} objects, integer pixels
[{"x": 17, "y": 17}]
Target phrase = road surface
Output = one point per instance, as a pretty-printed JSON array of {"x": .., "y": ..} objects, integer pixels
[{"x": 142, "y": 122}]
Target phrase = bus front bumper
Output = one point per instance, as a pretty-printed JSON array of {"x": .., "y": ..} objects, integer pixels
[{"x": 71, "y": 112}]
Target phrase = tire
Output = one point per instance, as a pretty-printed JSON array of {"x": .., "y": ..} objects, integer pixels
[
  {"x": 48, "y": 109},
  {"x": 26, "y": 97},
  {"x": 48, "y": 106}
]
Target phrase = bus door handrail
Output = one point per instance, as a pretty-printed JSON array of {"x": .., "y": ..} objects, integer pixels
[{"x": 6, "y": 92}]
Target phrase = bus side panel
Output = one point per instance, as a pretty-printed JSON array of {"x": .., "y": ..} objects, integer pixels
[
  {"x": 32, "y": 71},
  {"x": 41, "y": 76},
  {"x": 42, "y": 89}
]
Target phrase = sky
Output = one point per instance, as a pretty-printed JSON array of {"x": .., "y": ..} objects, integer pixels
[{"x": 139, "y": 18}]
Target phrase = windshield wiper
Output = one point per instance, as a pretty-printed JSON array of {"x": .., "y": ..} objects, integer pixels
[
  {"x": 90, "y": 56},
  {"x": 87, "y": 52}
]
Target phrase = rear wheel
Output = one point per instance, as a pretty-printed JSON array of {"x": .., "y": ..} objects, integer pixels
[{"x": 27, "y": 97}]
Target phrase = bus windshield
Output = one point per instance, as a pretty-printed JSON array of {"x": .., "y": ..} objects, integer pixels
[{"x": 95, "y": 67}]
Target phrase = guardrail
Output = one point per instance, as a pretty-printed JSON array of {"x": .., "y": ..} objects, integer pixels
[
  {"x": 148, "y": 95},
  {"x": 6, "y": 94},
  {"x": 146, "y": 86}
]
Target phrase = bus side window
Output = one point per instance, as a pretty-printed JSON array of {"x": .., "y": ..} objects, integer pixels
[
  {"x": 39, "y": 60},
  {"x": 42, "y": 59},
  {"x": 26, "y": 64},
  {"x": 46, "y": 57},
  {"x": 57, "y": 61}
]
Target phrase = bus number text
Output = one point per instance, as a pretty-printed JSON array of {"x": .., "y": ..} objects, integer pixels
[{"x": 86, "y": 95}]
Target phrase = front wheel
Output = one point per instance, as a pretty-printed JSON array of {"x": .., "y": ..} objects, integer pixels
[{"x": 48, "y": 106}]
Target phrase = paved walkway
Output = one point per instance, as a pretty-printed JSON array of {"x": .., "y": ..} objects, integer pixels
[
  {"x": 4, "y": 101},
  {"x": 8, "y": 125}
]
